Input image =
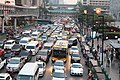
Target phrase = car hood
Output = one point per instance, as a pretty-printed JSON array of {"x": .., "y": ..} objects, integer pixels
[
  {"x": 13, "y": 65},
  {"x": 55, "y": 78},
  {"x": 77, "y": 70}
]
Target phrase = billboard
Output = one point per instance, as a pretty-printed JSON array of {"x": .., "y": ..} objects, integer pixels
[{"x": 7, "y": 2}]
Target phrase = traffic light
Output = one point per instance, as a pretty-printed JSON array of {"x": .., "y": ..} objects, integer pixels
[{"x": 98, "y": 10}]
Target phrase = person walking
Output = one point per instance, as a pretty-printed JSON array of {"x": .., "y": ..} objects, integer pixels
[{"x": 112, "y": 55}]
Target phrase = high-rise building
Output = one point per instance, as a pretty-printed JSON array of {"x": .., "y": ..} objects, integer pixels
[
  {"x": 115, "y": 9},
  {"x": 61, "y": 1},
  {"x": 103, "y": 4}
]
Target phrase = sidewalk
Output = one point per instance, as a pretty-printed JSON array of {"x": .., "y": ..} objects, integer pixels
[{"x": 113, "y": 70}]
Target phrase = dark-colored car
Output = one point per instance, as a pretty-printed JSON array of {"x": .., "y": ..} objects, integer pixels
[
  {"x": 16, "y": 48},
  {"x": 75, "y": 57},
  {"x": 8, "y": 55},
  {"x": 43, "y": 55},
  {"x": 27, "y": 55}
]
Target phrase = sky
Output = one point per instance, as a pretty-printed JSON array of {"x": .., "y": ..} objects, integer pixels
[{"x": 70, "y": 1}]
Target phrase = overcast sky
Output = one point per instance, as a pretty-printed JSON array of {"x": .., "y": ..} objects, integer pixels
[{"x": 70, "y": 1}]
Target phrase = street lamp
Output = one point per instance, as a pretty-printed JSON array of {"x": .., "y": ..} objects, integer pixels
[{"x": 102, "y": 21}]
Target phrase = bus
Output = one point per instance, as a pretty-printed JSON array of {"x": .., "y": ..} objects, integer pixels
[{"x": 60, "y": 50}]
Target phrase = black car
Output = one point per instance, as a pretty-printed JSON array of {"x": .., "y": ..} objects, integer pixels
[
  {"x": 16, "y": 49},
  {"x": 75, "y": 57},
  {"x": 27, "y": 55}
]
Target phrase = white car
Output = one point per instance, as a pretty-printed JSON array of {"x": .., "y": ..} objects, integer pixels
[
  {"x": 2, "y": 63},
  {"x": 76, "y": 69},
  {"x": 9, "y": 44},
  {"x": 58, "y": 75},
  {"x": 15, "y": 64},
  {"x": 58, "y": 65},
  {"x": 73, "y": 49},
  {"x": 42, "y": 68},
  {"x": 5, "y": 76}
]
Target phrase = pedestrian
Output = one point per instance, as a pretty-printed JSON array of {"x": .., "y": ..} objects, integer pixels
[
  {"x": 108, "y": 62},
  {"x": 98, "y": 47},
  {"x": 112, "y": 55}
]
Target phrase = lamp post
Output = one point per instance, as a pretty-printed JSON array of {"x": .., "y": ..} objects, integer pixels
[{"x": 102, "y": 22}]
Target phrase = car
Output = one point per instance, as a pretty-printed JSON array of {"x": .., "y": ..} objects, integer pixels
[
  {"x": 75, "y": 57},
  {"x": 5, "y": 76},
  {"x": 2, "y": 44},
  {"x": 8, "y": 55},
  {"x": 43, "y": 55},
  {"x": 73, "y": 49},
  {"x": 59, "y": 75},
  {"x": 72, "y": 42},
  {"x": 2, "y": 62},
  {"x": 9, "y": 44},
  {"x": 42, "y": 67},
  {"x": 15, "y": 64},
  {"x": 76, "y": 69},
  {"x": 2, "y": 52},
  {"x": 27, "y": 55},
  {"x": 58, "y": 65},
  {"x": 48, "y": 46},
  {"x": 16, "y": 48}
]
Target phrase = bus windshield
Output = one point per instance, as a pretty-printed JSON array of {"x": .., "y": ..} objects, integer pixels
[{"x": 59, "y": 54}]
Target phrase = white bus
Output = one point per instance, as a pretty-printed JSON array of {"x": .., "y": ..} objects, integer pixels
[
  {"x": 30, "y": 71},
  {"x": 33, "y": 46}
]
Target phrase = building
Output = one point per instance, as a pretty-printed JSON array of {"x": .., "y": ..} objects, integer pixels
[
  {"x": 54, "y": 1},
  {"x": 115, "y": 9},
  {"x": 103, "y": 4},
  {"x": 8, "y": 2}
]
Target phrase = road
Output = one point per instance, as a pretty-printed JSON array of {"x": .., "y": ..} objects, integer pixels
[{"x": 48, "y": 73}]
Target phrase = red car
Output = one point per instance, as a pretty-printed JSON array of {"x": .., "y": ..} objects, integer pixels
[{"x": 1, "y": 52}]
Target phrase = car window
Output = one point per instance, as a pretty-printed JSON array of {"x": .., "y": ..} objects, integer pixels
[{"x": 58, "y": 75}]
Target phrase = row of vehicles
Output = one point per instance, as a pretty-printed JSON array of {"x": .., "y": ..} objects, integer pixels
[{"x": 53, "y": 43}]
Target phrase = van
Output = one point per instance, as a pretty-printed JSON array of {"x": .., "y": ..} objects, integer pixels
[
  {"x": 25, "y": 40},
  {"x": 30, "y": 71},
  {"x": 86, "y": 50},
  {"x": 33, "y": 46},
  {"x": 35, "y": 35}
]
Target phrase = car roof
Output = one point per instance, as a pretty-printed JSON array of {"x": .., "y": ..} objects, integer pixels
[
  {"x": 58, "y": 61},
  {"x": 45, "y": 50},
  {"x": 10, "y": 40},
  {"x": 15, "y": 58},
  {"x": 76, "y": 64},
  {"x": 74, "y": 47},
  {"x": 60, "y": 71}
]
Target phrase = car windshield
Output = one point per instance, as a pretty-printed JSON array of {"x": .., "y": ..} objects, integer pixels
[
  {"x": 30, "y": 47},
  {"x": 74, "y": 48},
  {"x": 8, "y": 43},
  {"x": 14, "y": 61},
  {"x": 70, "y": 41},
  {"x": 76, "y": 66},
  {"x": 23, "y": 41},
  {"x": 42, "y": 53},
  {"x": 58, "y": 64},
  {"x": 47, "y": 47},
  {"x": 58, "y": 75},
  {"x": 34, "y": 34},
  {"x": 16, "y": 47},
  {"x": 24, "y": 53},
  {"x": 40, "y": 65},
  {"x": 75, "y": 55}
]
